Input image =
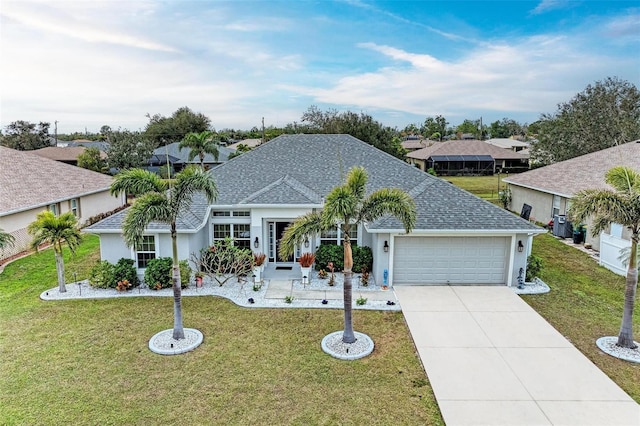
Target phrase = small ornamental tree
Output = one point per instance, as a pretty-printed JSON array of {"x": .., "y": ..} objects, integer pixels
[{"x": 224, "y": 261}]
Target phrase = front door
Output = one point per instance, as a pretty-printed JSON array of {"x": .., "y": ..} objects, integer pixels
[{"x": 276, "y": 229}]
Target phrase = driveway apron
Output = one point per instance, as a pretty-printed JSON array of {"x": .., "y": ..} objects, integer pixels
[{"x": 492, "y": 360}]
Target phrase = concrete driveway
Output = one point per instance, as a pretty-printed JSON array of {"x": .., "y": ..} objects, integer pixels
[{"x": 492, "y": 360}]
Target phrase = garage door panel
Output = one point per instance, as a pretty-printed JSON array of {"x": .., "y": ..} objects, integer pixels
[{"x": 450, "y": 260}]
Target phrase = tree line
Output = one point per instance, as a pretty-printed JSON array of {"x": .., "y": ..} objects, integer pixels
[{"x": 606, "y": 113}]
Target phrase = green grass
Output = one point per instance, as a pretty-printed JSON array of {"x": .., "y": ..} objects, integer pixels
[
  {"x": 87, "y": 361},
  {"x": 481, "y": 186},
  {"x": 585, "y": 303}
]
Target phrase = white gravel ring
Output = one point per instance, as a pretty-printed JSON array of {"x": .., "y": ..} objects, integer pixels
[
  {"x": 334, "y": 346},
  {"x": 163, "y": 342},
  {"x": 608, "y": 345}
]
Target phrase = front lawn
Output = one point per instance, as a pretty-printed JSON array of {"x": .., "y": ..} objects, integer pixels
[{"x": 87, "y": 361}]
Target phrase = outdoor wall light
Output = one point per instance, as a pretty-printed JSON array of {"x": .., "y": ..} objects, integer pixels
[
  {"x": 306, "y": 242},
  {"x": 256, "y": 243},
  {"x": 386, "y": 247},
  {"x": 520, "y": 246}
]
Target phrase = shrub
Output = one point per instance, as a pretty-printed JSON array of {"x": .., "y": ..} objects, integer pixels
[
  {"x": 159, "y": 273},
  {"x": 534, "y": 266},
  {"x": 124, "y": 270},
  {"x": 185, "y": 273},
  {"x": 330, "y": 253},
  {"x": 362, "y": 257},
  {"x": 101, "y": 275}
]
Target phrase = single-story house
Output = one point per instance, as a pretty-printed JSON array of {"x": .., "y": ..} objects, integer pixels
[
  {"x": 467, "y": 157},
  {"x": 458, "y": 238},
  {"x": 414, "y": 143},
  {"x": 68, "y": 154},
  {"x": 30, "y": 183},
  {"x": 548, "y": 191},
  {"x": 179, "y": 158}
]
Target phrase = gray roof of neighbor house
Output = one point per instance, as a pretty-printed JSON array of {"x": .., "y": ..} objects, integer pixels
[
  {"x": 28, "y": 181},
  {"x": 465, "y": 147},
  {"x": 183, "y": 155},
  {"x": 303, "y": 169},
  {"x": 585, "y": 172},
  {"x": 101, "y": 145}
]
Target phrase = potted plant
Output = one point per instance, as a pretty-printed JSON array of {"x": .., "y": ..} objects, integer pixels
[
  {"x": 199, "y": 276},
  {"x": 306, "y": 260},
  {"x": 258, "y": 266}
]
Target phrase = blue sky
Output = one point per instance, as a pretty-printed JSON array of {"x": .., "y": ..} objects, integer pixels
[{"x": 91, "y": 63}]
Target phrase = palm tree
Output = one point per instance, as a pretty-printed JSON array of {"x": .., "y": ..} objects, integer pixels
[
  {"x": 347, "y": 205},
  {"x": 6, "y": 240},
  {"x": 158, "y": 201},
  {"x": 622, "y": 205},
  {"x": 56, "y": 230},
  {"x": 200, "y": 144}
]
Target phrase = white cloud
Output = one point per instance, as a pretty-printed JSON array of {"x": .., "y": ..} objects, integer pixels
[
  {"x": 57, "y": 20},
  {"x": 547, "y": 5},
  {"x": 532, "y": 76}
]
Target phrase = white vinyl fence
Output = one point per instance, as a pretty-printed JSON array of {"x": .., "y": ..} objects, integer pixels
[{"x": 610, "y": 247}]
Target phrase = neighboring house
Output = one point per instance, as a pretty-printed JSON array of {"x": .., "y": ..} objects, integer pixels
[
  {"x": 415, "y": 143},
  {"x": 68, "y": 154},
  {"x": 467, "y": 157},
  {"x": 458, "y": 238},
  {"x": 508, "y": 143},
  {"x": 30, "y": 183},
  {"x": 179, "y": 158},
  {"x": 103, "y": 146},
  {"x": 548, "y": 190}
]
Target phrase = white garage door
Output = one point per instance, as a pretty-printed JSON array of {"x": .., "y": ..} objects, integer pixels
[{"x": 450, "y": 260}]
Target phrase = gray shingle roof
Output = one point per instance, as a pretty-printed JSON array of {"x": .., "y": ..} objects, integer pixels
[
  {"x": 183, "y": 155},
  {"x": 585, "y": 172},
  {"x": 302, "y": 169},
  {"x": 466, "y": 147},
  {"x": 29, "y": 181}
]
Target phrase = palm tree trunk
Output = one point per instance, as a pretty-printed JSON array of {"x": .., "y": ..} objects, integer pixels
[
  {"x": 59, "y": 267},
  {"x": 178, "y": 330},
  {"x": 348, "y": 336},
  {"x": 202, "y": 160},
  {"x": 625, "y": 338}
]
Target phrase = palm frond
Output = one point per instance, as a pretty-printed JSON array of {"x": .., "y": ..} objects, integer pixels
[
  {"x": 357, "y": 181},
  {"x": 623, "y": 179},
  {"x": 151, "y": 207},
  {"x": 6, "y": 240},
  {"x": 52, "y": 229},
  {"x": 341, "y": 204},
  {"x": 137, "y": 182},
  {"x": 305, "y": 226},
  {"x": 604, "y": 205},
  {"x": 391, "y": 201},
  {"x": 188, "y": 182}
]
